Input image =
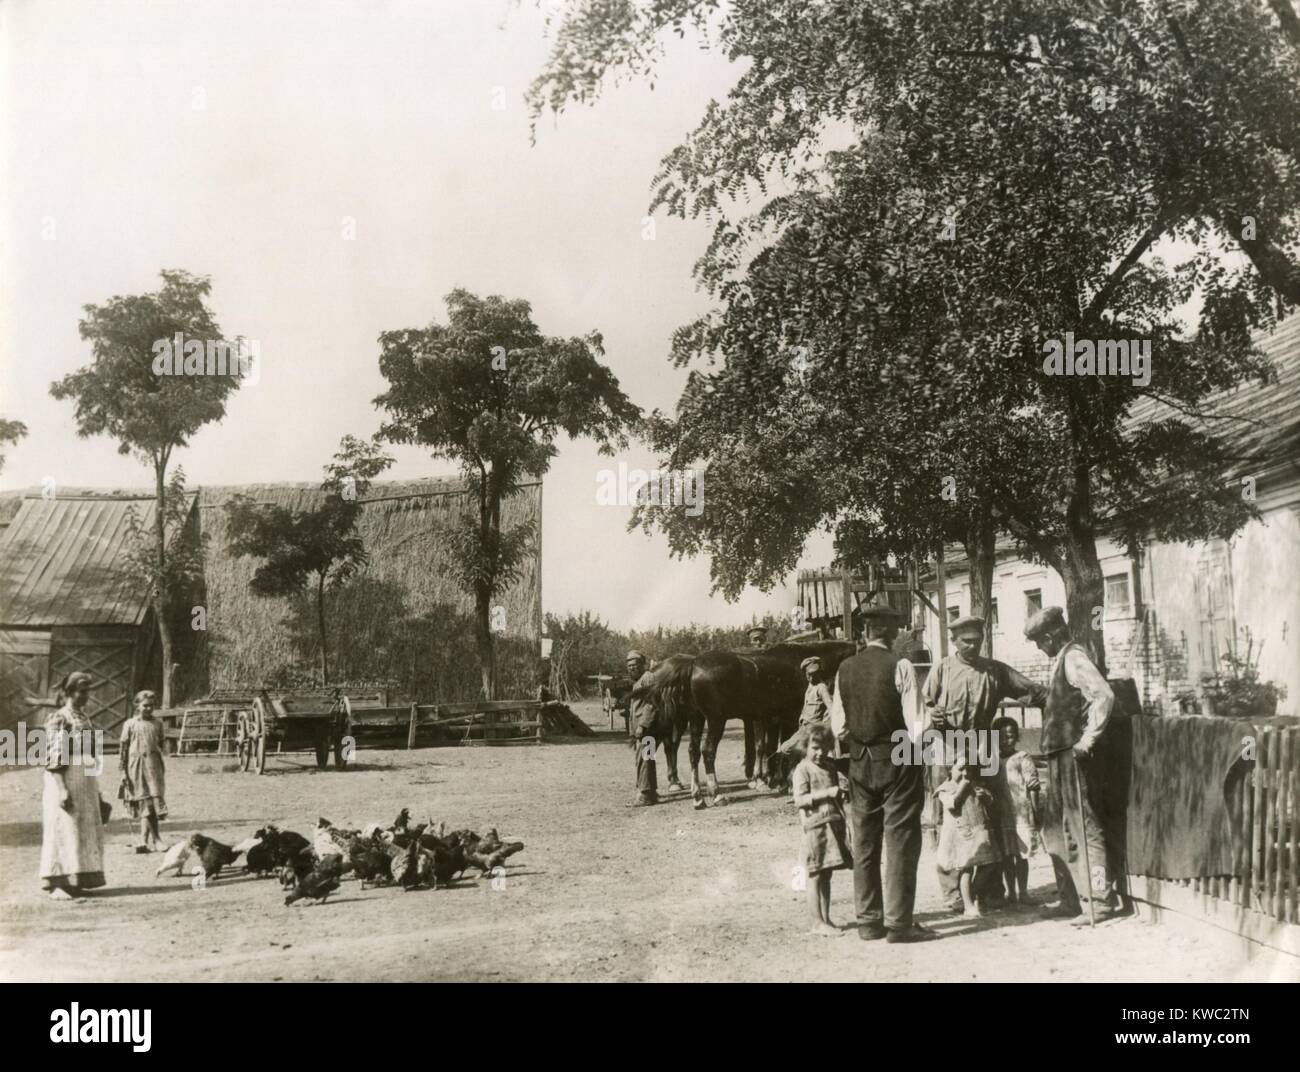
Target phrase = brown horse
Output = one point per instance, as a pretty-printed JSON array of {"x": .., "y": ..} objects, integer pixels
[{"x": 764, "y": 689}]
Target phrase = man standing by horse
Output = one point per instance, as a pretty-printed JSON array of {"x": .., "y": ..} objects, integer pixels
[
  {"x": 962, "y": 695},
  {"x": 876, "y": 696},
  {"x": 1079, "y": 702},
  {"x": 643, "y": 713}
]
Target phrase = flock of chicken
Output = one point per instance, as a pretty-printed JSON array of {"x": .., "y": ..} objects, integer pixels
[{"x": 413, "y": 857}]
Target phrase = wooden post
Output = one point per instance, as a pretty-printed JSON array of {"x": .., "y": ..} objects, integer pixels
[
  {"x": 942, "y": 579},
  {"x": 846, "y": 593},
  {"x": 410, "y": 730}
]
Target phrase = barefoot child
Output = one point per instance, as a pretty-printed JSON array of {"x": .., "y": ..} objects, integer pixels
[
  {"x": 818, "y": 797},
  {"x": 140, "y": 752},
  {"x": 1017, "y": 806},
  {"x": 965, "y": 841}
]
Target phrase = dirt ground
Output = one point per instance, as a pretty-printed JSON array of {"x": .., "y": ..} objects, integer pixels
[{"x": 600, "y": 892}]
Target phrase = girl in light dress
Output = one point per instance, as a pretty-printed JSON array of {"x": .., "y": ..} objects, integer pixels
[
  {"x": 818, "y": 796},
  {"x": 144, "y": 775}
]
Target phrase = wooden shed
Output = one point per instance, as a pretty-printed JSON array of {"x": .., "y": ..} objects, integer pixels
[{"x": 66, "y": 604}]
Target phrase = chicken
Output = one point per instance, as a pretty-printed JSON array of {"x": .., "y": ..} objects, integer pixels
[
  {"x": 212, "y": 854},
  {"x": 298, "y": 866},
  {"x": 331, "y": 840},
  {"x": 174, "y": 858},
  {"x": 286, "y": 843},
  {"x": 319, "y": 882},
  {"x": 403, "y": 817},
  {"x": 260, "y": 859},
  {"x": 372, "y": 863},
  {"x": 487, "y": 853}
]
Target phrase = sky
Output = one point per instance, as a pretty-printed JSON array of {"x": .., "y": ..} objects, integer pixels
[{"x": 336, "y": 169}]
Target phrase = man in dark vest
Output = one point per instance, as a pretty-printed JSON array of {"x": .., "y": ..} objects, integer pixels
[
  {"x": 1079, "y": 701},
  {"x": 876, "y": 696}
]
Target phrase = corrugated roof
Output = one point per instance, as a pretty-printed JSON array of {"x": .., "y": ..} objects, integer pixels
[{"x": 61, "y": 562}]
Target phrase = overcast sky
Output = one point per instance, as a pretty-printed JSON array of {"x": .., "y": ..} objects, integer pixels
[{"x": 232, "y": 139}]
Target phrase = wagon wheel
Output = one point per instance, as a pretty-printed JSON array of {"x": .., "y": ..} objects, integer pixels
[
  {"x": 244, "y": 739},
  {"x": 342, "y": 727},
  {"x": 259, "y": 725}
]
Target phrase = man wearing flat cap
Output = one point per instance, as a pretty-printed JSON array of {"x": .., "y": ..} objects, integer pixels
[
  {"x": 757, "y": 635},
  {"x": 1079, "y": 702},
  {"x": 876, "y": 696},
  {"x": 642, "y": 722},
  {"x": 962, "y": 694}
]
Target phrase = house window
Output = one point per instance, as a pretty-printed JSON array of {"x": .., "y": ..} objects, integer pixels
[
  {"x": 954, "y": 613},
  {"x": 1119, "y": 600},
  {"x": 1033, "y": 602},
  {"x": 993, "y": 614}
]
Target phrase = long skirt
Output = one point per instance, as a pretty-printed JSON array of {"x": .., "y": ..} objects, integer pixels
[{"x": 72, "y": 843}]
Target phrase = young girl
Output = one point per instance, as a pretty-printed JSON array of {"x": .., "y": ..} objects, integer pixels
[
  {"x": 143, "y": 777},
  {"x": 965, "y": 841},
  {"x": 1017, "y": 805},
  {"x": 825, "y": 849}
]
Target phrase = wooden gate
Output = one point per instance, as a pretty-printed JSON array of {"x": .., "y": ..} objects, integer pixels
[
  {"x": 109, "y": 657},
  {"x": 24, "y": 673}
]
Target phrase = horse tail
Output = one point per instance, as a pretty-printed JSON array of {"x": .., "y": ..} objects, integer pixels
[{"x": 675, "y": 693}]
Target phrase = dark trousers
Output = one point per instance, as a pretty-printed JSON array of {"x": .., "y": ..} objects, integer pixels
[
  {"x": 647, "y": 780},
  {"x": 885, "y": 802},
  {"x": 1062, "y": 837}
]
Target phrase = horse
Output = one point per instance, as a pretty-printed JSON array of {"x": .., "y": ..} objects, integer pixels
[{"x": 764, "y": 689}]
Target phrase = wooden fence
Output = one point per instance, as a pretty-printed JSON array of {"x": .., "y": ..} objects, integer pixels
[{"x": 1267, "y": 836}]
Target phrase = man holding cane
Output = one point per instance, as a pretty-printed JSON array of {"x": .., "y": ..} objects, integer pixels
[{"x": 1079, "y": 701}]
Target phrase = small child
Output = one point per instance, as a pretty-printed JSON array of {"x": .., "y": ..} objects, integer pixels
[
  {"x": 144, "y": 777},
  {"x": 1018, "y": 808},
  {"x": 818, "y": 796},
  {"x": 965, "y": 841}
]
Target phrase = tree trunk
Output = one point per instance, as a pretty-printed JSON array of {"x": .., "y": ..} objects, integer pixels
[
  {"x": 981, "y": 550},
  {"x": 1085, "y": 596},
  {"x": 320, "y": 624},
  {"x": 483, "y": 637},
  {"x": 160, "y": 586}
]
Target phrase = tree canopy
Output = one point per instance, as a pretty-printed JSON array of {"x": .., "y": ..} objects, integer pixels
[
  {"x": 489, "y": 392},
  {"x": 909, "y": 199}
]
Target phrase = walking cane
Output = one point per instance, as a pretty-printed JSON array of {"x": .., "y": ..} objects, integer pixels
[{"x": 1083, "y": 832}]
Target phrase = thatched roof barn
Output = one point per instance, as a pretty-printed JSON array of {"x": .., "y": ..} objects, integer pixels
[{"x": 400, "y": 622}]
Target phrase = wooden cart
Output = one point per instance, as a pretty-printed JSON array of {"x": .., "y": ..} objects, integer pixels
[{"x": 288, "y": 723}]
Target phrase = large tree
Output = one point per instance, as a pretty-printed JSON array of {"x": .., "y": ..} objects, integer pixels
[
  {"x": 488, "y": 391},
  {"x": 318, "y": 548},
  {"x": 1006, "y": 170},
  {"x": 153, "y": 409}
]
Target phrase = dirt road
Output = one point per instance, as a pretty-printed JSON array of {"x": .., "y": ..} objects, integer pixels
[{"x": 600, "y": 892}]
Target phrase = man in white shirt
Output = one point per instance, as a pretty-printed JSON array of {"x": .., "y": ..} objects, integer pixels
[{"x": 1079, "y": 702}]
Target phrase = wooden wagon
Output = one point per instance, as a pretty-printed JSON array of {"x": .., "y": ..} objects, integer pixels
[{"x": 312, "y": 722}]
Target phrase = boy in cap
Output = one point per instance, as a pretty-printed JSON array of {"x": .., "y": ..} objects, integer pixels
[
  {"x": 962, "y": 695},
  {"x": 1078, "y": 704},
  {"x": 816, "y": 708}
]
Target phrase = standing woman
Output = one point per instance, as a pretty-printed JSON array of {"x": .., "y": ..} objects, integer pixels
[
  {"x": 72, "y": 830},
  {"x": 144, "y": 783}
]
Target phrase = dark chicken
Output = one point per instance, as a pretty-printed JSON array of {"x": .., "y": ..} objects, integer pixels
[
  {"x": 319, "y": 882},
  {"x": 213, "y": 855}
]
